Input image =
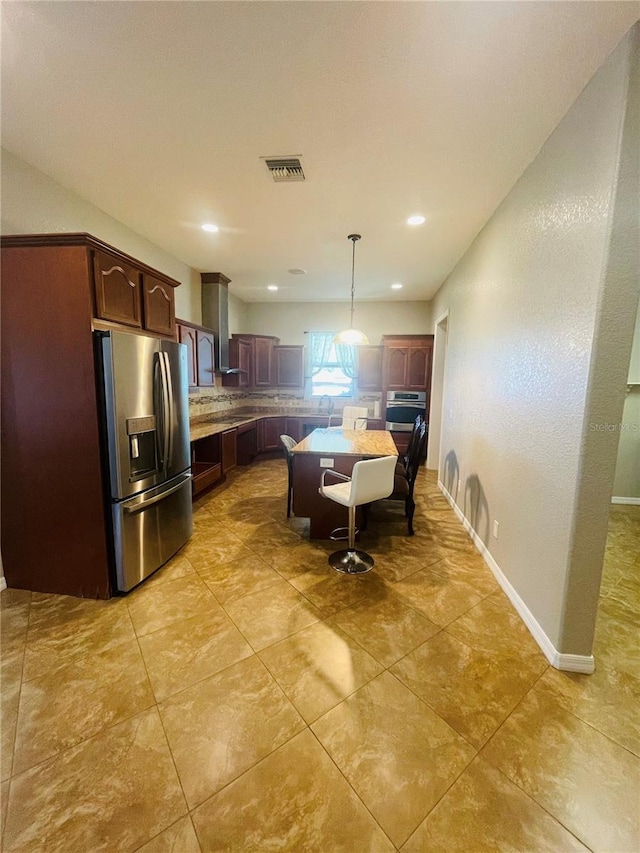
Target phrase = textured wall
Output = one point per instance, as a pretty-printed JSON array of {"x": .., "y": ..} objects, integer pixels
[
  {"x": 33, "y": 203},
  {"x": 609, "y": 365},
  {"x": 289, "y": 321},
  {"x": 238, "y": 320},
  {"x": 524, "y": 309},
  {"x": 627, "y": 479}
]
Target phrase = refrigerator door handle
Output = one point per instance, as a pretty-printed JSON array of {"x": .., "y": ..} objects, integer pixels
[
  {"x": 170, "y": 398},
  {"x": 137, "y": 505},
  {"x": 166, "y": 410}
]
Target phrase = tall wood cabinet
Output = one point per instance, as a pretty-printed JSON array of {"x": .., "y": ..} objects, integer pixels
[
  {"x": 55, "y": 523},
  {"x": 407, "y": 362}
]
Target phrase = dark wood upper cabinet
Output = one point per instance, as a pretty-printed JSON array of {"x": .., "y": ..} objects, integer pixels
[
  {"x": 369, "y": 368},
  {"x": 289, "y": 366},
  {"x": 262, "y": 349},
  {"x": 240, "y": 357},
  {"x": 205, "y": 343},
  {"x": 407, "y": 362},
  {"x": 253, "y": 355},
  {"x": 395, "y": 368},
  {"x": 200, "y": 343},
  {"x": 188, "y": 335},
  {"x": 117, "y": 289},
  {"x": 133, "y": 296},
  {"x": 419, "y": 368},
  {"x": 159, "y": 310}
]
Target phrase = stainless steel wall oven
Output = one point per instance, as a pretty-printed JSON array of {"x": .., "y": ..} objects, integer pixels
[{"x": 403, "y": 407}]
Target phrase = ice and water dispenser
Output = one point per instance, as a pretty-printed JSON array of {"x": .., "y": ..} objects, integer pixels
[{"x": 143, "y": 447}]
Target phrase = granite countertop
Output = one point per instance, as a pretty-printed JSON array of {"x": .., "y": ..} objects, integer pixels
[
  {"x": 349, "y": 442},
  {"x": 203, "y": 426}
]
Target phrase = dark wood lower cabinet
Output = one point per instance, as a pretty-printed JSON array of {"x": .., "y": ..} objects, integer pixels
[
  {"x": 401, "y": 440},
  {"x": 206, "y": 467},
  {"x": 293, "y": 427},
  {"x": 325, "y": 515},
  {"x": 273, "y": 428},
  {"x": 229, "y": 450},
  {"x": 247, "y": 443}
]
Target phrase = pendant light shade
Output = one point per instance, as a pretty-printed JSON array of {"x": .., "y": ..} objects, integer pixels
[{"x": 352, "y": 336}]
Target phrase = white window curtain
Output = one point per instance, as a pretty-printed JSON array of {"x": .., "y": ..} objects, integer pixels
[
  {"x": 346, "y": 354},
  {"x": 320, "y": 344}
]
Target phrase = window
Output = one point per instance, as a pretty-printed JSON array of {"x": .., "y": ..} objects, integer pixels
[{"x": 332, "y": 366}]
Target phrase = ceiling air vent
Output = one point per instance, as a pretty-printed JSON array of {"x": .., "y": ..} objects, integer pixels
[{"x": 284, "y": 169}]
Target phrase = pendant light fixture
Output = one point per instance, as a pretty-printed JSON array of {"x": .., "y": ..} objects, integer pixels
[{"x": 351, "y": 335}]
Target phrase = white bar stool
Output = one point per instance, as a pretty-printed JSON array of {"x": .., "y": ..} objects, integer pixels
[
  {"x": 354, "y": 417},
  {"x": 371, "y": 480}
]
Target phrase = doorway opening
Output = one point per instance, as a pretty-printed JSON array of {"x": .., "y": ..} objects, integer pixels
[{"x": 437, "y": 392}]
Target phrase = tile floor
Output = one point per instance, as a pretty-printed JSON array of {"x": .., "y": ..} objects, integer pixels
[{"x": 247, "y": 698}]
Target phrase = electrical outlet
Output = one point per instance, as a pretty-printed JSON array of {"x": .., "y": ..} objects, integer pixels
[
  {"x": 495, "y": 529},
  {"x": 326, "y": 463}
]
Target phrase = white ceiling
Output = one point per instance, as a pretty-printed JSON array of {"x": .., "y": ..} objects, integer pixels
[{"x": 159, "y": 112}]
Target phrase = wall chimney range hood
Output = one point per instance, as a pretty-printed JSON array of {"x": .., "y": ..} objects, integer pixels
[{"x": 215, "y": 315}]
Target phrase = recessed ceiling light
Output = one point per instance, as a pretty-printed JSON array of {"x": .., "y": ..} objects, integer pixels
[
  {"x": 296, "y": 271},
  {"x": 396, "y": 286},
  {"x": 209, "y": 226},
  {"x": 415, "y": 220},
  {"x": 272, "y": 287}
]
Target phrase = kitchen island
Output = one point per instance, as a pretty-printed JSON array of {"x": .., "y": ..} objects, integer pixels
[{"x": 339, "y": 450}]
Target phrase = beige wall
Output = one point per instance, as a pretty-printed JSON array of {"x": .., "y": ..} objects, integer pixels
[
  {"x": 634, "y": 366},
  {"x": 626, "y": 487},
  {"x": 290, "y": 321},
  {"x": 33, "y": 203},
  {"x": 541, "y": 311},
  {"x": 238, "y": 315},
  {"x": 627, "y": 480}
]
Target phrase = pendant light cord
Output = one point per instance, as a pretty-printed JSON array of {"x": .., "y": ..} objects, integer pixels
[
  {"x": 353, "y": 278},
  {"x": 354, "y": 238}
]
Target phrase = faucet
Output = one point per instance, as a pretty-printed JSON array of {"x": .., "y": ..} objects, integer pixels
[{"x": 329, "y": 408}]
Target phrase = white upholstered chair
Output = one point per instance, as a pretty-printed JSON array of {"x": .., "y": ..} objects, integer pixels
[
  {"x": 354, "y": 417},
  {"x": 370, "y": 480}
]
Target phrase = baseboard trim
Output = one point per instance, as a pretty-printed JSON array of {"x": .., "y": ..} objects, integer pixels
[
  {"x": 629, "y": 501},
  {"x": 3, "y": 583},
  {"x": 568, "y": 663}
]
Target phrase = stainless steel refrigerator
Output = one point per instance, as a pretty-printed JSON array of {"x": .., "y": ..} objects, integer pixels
[{"x": 146, "y": 411}]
